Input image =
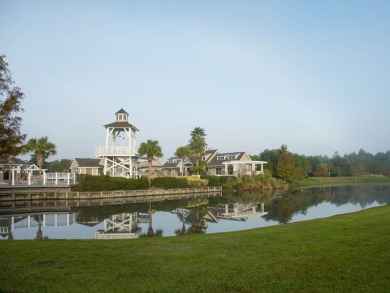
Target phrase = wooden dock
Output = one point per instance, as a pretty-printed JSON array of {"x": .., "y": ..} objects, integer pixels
[{"x": 32, "y": 199}]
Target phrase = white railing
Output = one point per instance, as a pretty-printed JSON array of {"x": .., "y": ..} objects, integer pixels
[
  {"x": 59, "y": 178},
  {"x": 114, "y": 151}
]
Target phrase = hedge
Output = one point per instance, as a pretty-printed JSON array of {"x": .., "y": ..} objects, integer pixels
[
  {"x": 107, "y": 183},
  {"x": 216, "y": 180}
]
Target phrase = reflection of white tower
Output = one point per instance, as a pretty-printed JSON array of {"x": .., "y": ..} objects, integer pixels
[{"x": 119, "y": 155}]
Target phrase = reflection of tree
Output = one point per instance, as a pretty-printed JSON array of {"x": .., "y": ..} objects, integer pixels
[
  {"x": 151, "y": 232},
  {"x": 198, "y": 224},
  {"x": 283, "y": 208},
  {"x": 182, "y": 214},
  {"x": 39, "y": 232},
  {"x": 10, "y": 232}
]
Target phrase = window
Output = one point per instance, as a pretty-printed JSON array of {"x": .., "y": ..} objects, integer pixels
[
  {"x": 203, "y": 158},
  {"x": 218, "y": 171},
  {"x": 220, "y": 158}
]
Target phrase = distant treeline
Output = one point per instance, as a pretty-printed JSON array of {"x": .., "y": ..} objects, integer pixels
[{"x": 285, "y": 164}]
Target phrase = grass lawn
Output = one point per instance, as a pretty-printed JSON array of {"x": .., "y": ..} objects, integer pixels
[
  {"x": 346, "y": 253},
  {"x": 341, "y": 180}
]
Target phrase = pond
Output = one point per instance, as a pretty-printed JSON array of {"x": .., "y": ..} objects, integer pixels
[{"x": 229, "y": 212}]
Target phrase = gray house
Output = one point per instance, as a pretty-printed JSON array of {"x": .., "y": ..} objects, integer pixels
[{"x": 86, "y": 166}]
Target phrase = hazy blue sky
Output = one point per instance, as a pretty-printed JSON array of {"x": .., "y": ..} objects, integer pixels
[{"x": 254, "y": 74}]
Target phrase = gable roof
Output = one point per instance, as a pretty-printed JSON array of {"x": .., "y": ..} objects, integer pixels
[
  {"x": 88, "y": 163},
  {"x": 3, "y": 160},
  {"x": 123, "y": 124},
  {"x": 216, "y": 162},
  {"x": 121, "y": 111}
]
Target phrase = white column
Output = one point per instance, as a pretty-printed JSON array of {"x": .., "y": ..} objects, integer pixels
[
  {"x": 68, "y": 179},
  {"x": 44, "y": 178},
  {"x": 13, "y": 177},
  {"x": 253, "y": 168},
  {"x": 226, "y": 208},
  {"x": 29, "y": 178},
  {"x": 44, "y": 220},
  {"x": 226, "y": 169},
  {"x": 262, "y": 207},
  {"x": 56, "y": 182}
]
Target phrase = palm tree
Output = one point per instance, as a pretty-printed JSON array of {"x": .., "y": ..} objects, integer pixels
[
  {"x": 198, "y": 144},
  {"x": 151, "y": 149},
  {"x": 183, "y": 152},
  {"x": 42, "y": 148}
]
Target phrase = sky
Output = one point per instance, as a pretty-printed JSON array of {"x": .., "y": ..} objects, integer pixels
[{"x": 313, "y": 75}]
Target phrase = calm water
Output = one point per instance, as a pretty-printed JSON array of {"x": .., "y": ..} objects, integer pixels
[{"x": 204, "y": 215}]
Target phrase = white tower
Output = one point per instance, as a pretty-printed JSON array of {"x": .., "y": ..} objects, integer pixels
[{"x": 119, "y": 155}]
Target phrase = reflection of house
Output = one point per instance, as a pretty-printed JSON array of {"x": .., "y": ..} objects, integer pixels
[
  {"x": 143, "y": 167},
  {"x": 237, "y": 212},
  {"x": 86, "y": 166}
]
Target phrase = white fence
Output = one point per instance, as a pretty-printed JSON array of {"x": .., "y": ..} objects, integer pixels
[{"x": 56, "y": 178}]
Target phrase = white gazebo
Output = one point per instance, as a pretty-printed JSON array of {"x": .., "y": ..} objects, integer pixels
[
  {"x": 245, "y": 167},
  {"x": 119, "y": 155}
]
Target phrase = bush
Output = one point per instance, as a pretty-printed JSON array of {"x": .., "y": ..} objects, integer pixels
[
  {"x": 169, "y": 182},
  {"x": 107, "y": 183},
  {"x": 196, "y": 182},
  {"x": 216, "y": 180}
]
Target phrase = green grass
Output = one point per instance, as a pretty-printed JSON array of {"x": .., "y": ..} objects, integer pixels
[
  {"x": 341, "y": 180},
  {"x": 347, "y": 253}
]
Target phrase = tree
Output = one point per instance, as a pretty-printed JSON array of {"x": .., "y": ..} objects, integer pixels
[
  {"x": 42, "y": 148},
  {"x": 322, "y": 170},
  {"x": 151, "y": 149},
  {"x": 59, "y": 166},
  {"x": 11, "y": 138},
  {"x": 197, "y": 144},
  {"x": 286, "y": 167},
  {"x": 183, "y": 152}
]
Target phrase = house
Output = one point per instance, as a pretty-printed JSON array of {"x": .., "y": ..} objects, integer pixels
[
  {"x": 143, "y": 167},
  {"x": 19, "y": 168},
  {"x": 174, "y": 167},
  {"x": 86, "y": 166},
  {"x": 233, "y": 163}
]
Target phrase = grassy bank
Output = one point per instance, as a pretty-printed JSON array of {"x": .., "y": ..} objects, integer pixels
[
  {"x": 313, "y": 181},
  {"x": 348, "y": 253}
]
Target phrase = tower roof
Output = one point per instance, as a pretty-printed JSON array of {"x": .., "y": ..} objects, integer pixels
[
  {"x": 121, "y": 125},
  {"x": 121, "y": 111}
]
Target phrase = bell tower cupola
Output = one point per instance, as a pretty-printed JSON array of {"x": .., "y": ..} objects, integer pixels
[{"x": 122, "y": 116}]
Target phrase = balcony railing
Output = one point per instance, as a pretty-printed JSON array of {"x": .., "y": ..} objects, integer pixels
[{"x": 115, "y": 151}]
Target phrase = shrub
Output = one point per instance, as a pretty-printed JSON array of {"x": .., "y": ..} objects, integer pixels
[
  {"x": 107, "y": 183},
  {"x": 170, "y": 182},
  {"x": 216, "y": 180},
  {"x": 196, "y": 182}
]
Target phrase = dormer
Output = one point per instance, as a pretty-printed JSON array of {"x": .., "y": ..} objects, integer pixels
[{"x": 122, "y": 116}]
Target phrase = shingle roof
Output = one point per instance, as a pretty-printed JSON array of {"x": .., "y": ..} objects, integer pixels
[
  {"x": 17, "y": 161},
  {"x": 215, "y": 162},
  {"x": 121, "y": 111},
  {"x": 121, "y": 125},
  {"x": 88, "y": 163}
]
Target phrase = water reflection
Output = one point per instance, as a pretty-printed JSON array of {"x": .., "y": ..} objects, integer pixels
[{"x": 193, "y": 216}]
